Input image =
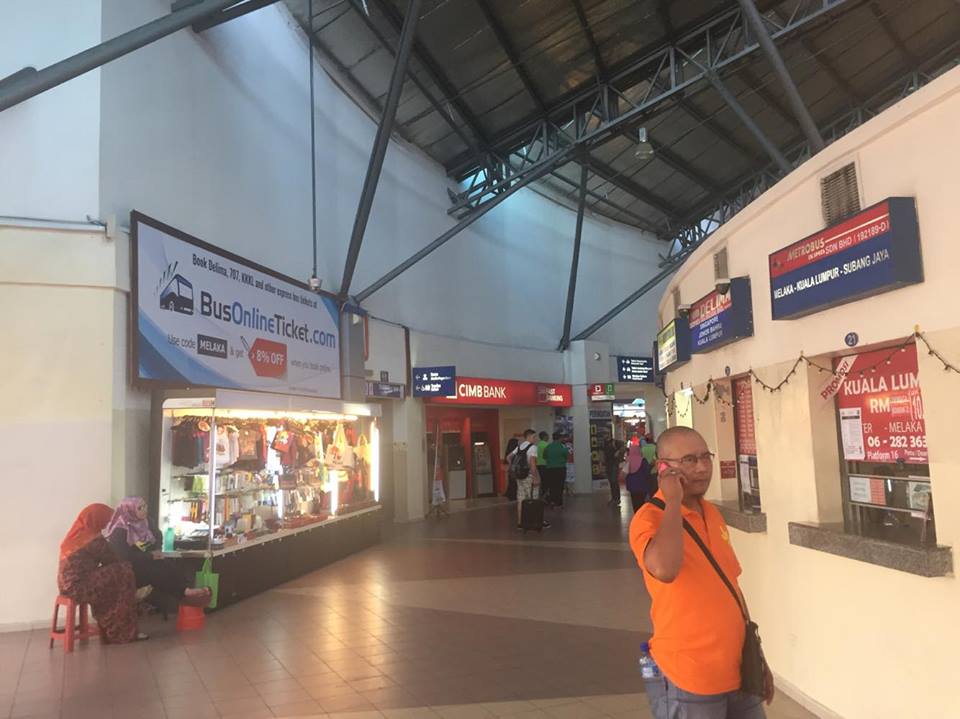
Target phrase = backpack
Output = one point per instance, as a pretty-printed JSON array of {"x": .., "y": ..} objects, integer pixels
[{"x": 519, "y": 468}]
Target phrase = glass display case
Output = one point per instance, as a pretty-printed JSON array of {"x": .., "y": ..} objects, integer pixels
[{"x": 237, "y": 468}]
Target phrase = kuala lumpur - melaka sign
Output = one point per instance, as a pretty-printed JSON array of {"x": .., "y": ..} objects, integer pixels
[
  {"x": 876, "y": 250},
  {"x": 881, "y": 409}
]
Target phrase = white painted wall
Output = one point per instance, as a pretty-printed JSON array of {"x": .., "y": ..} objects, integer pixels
[
  {"x": 50, "y": 144},
  {"x": 864, "y": 641},
  {"x": 59, "y": 408},
  {"x": 210, "y": 133}
]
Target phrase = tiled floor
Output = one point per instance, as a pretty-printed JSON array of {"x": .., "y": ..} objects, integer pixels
[{"x": 455, "y": 618}]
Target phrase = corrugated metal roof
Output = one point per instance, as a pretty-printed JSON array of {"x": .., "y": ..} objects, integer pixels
[{"x": 483, "y": 67}]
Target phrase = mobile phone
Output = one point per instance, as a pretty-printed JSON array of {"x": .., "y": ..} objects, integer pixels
[{"x": 661, "y": 466}]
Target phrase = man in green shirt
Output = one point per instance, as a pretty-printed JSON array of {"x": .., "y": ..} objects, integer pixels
[
  {"x": 555, "y": 469},
  {"x": 542, "y": 445}
]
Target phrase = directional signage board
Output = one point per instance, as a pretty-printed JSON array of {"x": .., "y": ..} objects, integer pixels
[
  {"x": 875, "y": 251},
  {"x": 718, "y": 319},
  {"x": 602, "y": 392},
  {"x": 385, "y": 390},
  {"x": 635, "y": 369},
  {"x": 434, "y": 381}
]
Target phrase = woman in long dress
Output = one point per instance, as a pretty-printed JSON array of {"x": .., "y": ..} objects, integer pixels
[{"x": 90, "y": 572}]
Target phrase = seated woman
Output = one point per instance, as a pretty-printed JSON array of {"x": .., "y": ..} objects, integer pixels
[
  {"x": 133, "y": 540},
  {"x": 90, "y": 572}
]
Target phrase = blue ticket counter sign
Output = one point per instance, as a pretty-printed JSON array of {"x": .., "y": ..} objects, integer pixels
[
  {"x": 875, "y": 251},
  {"x": 718, "y": 319},
  {"x": 434, "y": 381},
  {"x": 635, "y": 369},
  {"x": 673, "y": 345}
]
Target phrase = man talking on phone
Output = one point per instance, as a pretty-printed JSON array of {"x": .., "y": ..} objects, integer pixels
[{"x": 698, "y": 624}]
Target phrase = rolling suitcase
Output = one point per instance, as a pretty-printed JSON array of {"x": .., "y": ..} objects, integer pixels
[{"x": 531, "y": 515}]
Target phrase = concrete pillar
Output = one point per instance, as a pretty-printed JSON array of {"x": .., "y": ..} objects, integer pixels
[
  {"x": 353, "y": 383},
  {"x": 408, "y": 450},
  {"x": 586, "y": 362}
]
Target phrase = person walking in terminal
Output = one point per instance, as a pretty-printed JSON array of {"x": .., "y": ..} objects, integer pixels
[
  {"x": 613, "y": 453},
  {"x": 529, "y": 482},
  {"x": 541, "y": 460},
  {"x": 693, "y": 667},
  {"x": 555, "y": 454}
]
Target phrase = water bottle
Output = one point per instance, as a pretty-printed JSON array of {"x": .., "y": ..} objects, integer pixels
[
  {"x": 648, "y": 667},
  {"x": 168, "y": 539}
]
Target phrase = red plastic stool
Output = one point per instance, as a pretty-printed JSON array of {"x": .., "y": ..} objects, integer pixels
[
  {"x": 72, "y": 629},
  {"x": 190, "y": 618}
]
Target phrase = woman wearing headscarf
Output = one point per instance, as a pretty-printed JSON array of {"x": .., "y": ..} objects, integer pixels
[
  {"x": 133, "y": 540},
  {"x": 91, "y": 573},
  {"x": 638, "y": 476}
]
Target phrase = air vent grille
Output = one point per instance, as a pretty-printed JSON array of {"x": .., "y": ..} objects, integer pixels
[
  {"x": 840, "y": 195},
  {"x": 720, "y": 264}
]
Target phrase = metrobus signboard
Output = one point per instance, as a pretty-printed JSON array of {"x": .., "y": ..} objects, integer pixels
[
  {"x": 673, "y": 345},
  {"x": 718, "y": 319},
  {"x": 205, "y": 317},
  {"x": 875, "y": 251}
]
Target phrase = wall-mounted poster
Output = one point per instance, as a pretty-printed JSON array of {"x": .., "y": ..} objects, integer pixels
[
  {"x": 881, "y": 410},
  {"x": 207, "y": 318}
]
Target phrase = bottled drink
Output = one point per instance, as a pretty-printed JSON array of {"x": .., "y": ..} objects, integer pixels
[
  {"x": 168, "y": 539},
  {"x": 648, "y": 667}
]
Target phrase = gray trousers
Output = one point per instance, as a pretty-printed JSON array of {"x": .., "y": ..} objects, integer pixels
[{"x": 668, "y": 701}]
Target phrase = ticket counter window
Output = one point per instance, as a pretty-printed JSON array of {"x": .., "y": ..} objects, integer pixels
[{"x": 883, "y": 447}]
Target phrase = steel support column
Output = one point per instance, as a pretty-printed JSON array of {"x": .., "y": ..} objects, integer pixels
[
  {"x": 575, "y": 262},
  {"x": 407, "y": 37},
  {"x": 647, "y": 286},
  {"x": 34, "y": 83},
  {"x": 748, "y": 121},
  {"x": 545, "y": 169},
  {"x": 769, "y": 48}
]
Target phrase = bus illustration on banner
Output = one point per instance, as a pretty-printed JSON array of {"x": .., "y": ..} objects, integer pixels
[{"x": 177, "y": 295}]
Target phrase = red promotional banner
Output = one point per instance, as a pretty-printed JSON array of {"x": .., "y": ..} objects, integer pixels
[
  {"x": 881, "y": 411},
  {"x": 505, "y": 392},
  {"x": 269, "y": 358},
  {"x": 746, "y": 429}
]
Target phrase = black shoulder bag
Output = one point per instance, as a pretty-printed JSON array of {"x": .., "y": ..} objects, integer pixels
[{"x": 753, "y": 665}]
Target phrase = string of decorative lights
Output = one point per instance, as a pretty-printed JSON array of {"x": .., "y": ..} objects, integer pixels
[{"x": 713, "y": 388}]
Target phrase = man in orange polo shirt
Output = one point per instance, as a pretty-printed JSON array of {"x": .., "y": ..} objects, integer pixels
[{"x": 698, "y": 627}]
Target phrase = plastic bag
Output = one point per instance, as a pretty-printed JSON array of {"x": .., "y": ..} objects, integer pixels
[{"x": 207, "y": 578}]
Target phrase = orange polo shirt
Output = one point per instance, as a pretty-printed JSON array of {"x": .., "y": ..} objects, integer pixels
[{"x": 698, "y": 628}]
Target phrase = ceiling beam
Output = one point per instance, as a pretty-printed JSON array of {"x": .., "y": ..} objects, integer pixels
[
  {"x": 598, "y": 61},
  {"x": 891, "y": 33},
  {"x": 800, "y": 110},
  {"x": 439, "y": 78},
  {"x": 435, "y": 103},
  {"x": 632, "y": 187},
  {"x": 513, "y": 56},
  {"x": 816, "y": 54}
]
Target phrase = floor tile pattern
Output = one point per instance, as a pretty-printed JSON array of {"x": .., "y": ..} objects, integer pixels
[{"x": 454, "y": 618}]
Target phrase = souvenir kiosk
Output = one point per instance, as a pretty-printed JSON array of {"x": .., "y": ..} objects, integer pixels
[
  {"x": 270, "y": 486},
  {"x": 258, "y": 472}
]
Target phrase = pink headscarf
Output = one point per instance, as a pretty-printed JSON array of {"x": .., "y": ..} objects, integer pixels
[{"x": 125, "y": 517}]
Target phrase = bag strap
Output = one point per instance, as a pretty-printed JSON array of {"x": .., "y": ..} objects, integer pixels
[{"x": 657, "y": 502}]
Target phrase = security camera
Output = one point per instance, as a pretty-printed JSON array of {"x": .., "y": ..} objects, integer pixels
[
  {"x": 314, "y": 283},
  {"x": 723, "y": 285},
  {"x": 683, "y": 310}
]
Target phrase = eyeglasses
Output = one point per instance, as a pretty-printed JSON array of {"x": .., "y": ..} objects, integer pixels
[{"x": 691, "y": 460}]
